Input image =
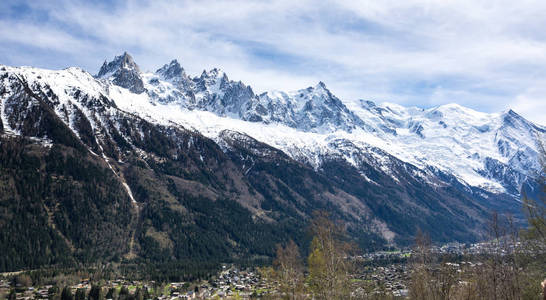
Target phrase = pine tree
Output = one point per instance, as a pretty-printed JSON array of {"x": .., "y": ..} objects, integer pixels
[
  {"x": 111, "y": 293},
  {"x": 123, "y": 293},
  {"x": 95, "y": 293},
  {"x": 67, "y": 294},
  {"x": 80, "y": 294},
  {"x": 138, "y": 294}
]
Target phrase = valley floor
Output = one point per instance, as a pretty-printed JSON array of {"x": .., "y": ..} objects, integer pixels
[{"x": 376, "y": 275}]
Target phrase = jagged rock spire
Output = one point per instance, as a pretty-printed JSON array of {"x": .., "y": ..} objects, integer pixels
[
  {"x": 124, "y": 61},
  {"x": 171, "y": 70},
  {"x": 124, "y": 72}
]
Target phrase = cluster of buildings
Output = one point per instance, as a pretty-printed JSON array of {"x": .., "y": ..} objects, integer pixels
[
  {"x": 449, "y": 248},
  {"x": 384, "y": 280},
  {"x": 231, "y": 282},
  {"x": 385, "y": 255},
  {"x": 26, "y": 293},
  {"x": 388, "y": 273}
]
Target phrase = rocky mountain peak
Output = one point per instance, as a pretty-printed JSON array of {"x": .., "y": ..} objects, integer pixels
[
  {"x": 511, "y": 119},
  {"x": 318, "y": 89},
  {"x": 124, "y": 72},
  {"x": 510, "y": 116},
  {"x": 213, "y": 73},
  {"x": 171, "y": 71},
  {"x": 321, "y": 85},
  {"x": 367, "y": 103},
  {"x": 214, "y": 81},
  {"x": 124, "y": 61}
]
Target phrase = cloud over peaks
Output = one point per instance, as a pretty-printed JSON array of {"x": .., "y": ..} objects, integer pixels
[{"x": 488, "y": 56}]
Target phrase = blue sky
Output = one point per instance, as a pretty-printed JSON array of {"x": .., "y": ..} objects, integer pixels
[{"x": 487, "y": 55}]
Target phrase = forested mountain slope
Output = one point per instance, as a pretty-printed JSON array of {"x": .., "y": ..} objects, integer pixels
[{"x": 163, "y": 166}]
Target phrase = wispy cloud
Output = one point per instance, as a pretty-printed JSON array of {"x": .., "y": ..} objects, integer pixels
[{"x": 489, "y": 56}]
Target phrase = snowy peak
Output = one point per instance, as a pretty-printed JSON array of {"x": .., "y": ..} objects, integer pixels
[
  {"x": 511, "y": 119},
  {"x": 317, "y": 96},
  {"x": 317, "y": 107},
  {"x": 224, "y": 97},
  {"x": 213, "y": 74},
  {"x": 171, "y": 71},
  {"x": 495, "y": 151},
  {"x": 170, "y": 83},
  {"x": 313, "y": 109},
  {"x": 124, "y": 61},
  {"x": 319, "y": 90},
  {"x": 124, "y": 72},
  {"x": 211, "y": 91},
  {"x": 213, "y": 81}
]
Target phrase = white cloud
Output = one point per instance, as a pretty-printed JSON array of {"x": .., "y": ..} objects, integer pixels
[
  {"x": 532, "y": 104},
  {"x": 486, "y": 55},
  {"x": 40, "y": 36}
]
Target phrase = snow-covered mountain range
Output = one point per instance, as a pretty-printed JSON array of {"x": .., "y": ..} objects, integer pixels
[
  {"x": 496, "y": 152},
  {"x": 442, "y": 164}
]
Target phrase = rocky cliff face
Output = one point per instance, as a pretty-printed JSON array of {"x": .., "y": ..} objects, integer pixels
[{"x": 124, "y": 72}]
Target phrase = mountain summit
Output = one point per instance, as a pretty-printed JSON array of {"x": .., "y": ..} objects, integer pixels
[
  {"x": 171, "y": 71},
  {"x": 124, "y": 61},
  {"x": 124, "y": 72}
]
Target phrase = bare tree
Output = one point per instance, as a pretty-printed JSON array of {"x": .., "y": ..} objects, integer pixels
[
  {"x": 328, "y": 261},
  {"x": 430, "y": 279},
  {"x": 289, "y": 271},
  {"x": 419, "y": 287}
]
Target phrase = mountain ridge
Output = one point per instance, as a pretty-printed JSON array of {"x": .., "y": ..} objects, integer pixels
[
  {"x": 315, "y": 109},
  {"x": 332, "y": 115},
  {"x": 207, "y": 174}
]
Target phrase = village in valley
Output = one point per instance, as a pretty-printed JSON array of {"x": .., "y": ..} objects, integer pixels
[
  {"x": 381, "y": 272},
  {"x": 231, "y": 282}
]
